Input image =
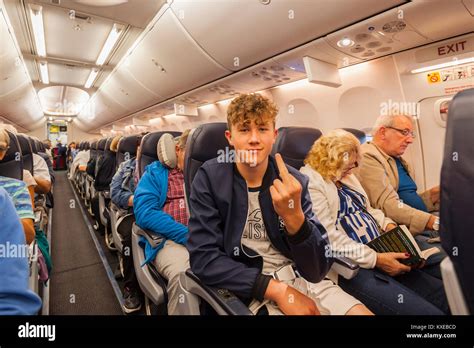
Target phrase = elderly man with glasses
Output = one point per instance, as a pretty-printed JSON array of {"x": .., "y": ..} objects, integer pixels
[{"x": 388, "y": 180}]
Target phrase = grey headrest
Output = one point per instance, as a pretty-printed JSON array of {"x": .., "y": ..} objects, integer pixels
[{"x": 165, "y": 149}]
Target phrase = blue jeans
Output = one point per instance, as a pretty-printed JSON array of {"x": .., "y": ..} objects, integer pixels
[
  {"x": 414, "y": 293},
  {"x": 432, "y": 265}
]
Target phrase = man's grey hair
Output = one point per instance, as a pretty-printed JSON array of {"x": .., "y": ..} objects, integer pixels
[{"x": 387, "y": 121}]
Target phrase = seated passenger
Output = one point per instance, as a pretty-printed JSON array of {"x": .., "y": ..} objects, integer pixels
[
  {"x": 48, "y": 146},
  {"x": 41, "y": 175},
  {"x": 79, "y": 163},
  {"x": 159, "y": 206},
  {"x": 105, "y": 167},
  {"x": 342, "y": 206},
  {"x": 31, "y": 184},
  {"x": 123, "y": 184},
  {"x": 252, "y": 220},
  {"x": 71, "y": 152},
  {"x": 18, "y": 192},
  {"x": 122, "y": 189},
  {"x": 388, "y": 181},
  {"x": 15, "y": 296},
  {"x": 49, "y": 195}
]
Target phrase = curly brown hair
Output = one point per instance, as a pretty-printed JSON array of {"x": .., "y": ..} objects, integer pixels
[{"x": 248, "y": 107}]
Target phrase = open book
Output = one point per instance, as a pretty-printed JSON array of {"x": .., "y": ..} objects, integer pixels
[{"x": 400, "y": 240}]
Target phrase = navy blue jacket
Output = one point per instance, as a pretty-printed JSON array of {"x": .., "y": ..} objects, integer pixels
[{"x": 219, "y": 207}]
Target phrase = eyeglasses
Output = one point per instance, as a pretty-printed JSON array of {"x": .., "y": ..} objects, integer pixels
[
  {"x": 355, "y": 165},
  {"x": 404, "y": 132}
]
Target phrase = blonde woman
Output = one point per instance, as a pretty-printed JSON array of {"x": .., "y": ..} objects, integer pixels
[{"x": 383, "y": 283}]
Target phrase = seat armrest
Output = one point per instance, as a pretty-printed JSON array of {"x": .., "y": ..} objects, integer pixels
[
  {"x": 222, "y": 301},
  {"x": 152, "y": 238},
  {"x": 345, "y": 267}
]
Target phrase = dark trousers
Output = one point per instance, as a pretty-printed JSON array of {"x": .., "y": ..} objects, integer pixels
[
  {"x": 414, "y": 293},
  {"x": 125, "y": 231}
]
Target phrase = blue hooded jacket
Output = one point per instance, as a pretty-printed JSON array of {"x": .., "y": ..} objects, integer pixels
[
  {"x": 15, "y": 296},
  {"x": 148, "y": 203}
]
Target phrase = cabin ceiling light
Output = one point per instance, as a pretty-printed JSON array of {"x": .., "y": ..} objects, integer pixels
[
  {"x": 43, "y": 66},
  {"x": 109, "y": 43},
  {"x": 38, "y": 29},
  {"x": 444, "y": 65},
  {"x": 91, "y": 78},
  {"x": 345, "y": 42}
]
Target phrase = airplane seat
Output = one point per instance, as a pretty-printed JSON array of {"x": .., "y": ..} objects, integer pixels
[
  {"x": 104, "y": 199},
  {"x": 293, "y": 144},
  {"x": 152, "y": 284},
  {"x": 127, "y": 149},
  {"x": 357, "y": 133},
  {"x": 95, "y": 197},
  {"x": 457, "y": 176},
  {"x": 197, "y": 153},
  {"x": 26, "y": 152},
  {"x": 34, "y": 145},
  {"x": 203, "y": 144},
  {"x": 89, "y": 182},
  {"x": 120, "y": 219},
  {"x": 40, "y": 209},
  {"x": 12, "y": 164}
]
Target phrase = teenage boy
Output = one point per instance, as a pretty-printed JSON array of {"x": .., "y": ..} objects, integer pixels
[{"x": 251, "y": 227}]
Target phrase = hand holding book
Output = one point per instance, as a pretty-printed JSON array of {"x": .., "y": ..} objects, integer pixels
[
  {"x": 391, "y": 263},
  {"x": 400, "y": 240}
]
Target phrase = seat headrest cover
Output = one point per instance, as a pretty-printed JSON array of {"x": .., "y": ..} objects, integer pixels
[
  {"x": 148, "y": 149},
  {"x": 166, "y": 152}
]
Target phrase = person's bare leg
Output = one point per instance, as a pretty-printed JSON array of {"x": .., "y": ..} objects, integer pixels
[{"x": 359, "y": 309}]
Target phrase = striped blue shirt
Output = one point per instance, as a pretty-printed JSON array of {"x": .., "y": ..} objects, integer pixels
[
  {"x": 353, "y": 218},
  {"x": 20, "y": 196}
]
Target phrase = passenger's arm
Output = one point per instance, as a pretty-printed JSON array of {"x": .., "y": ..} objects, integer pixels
[
  {"x": 149, "y": 215},
  {"x": 383, "y": 221},
  {"x": 31, "y": 191},
  {"x": 382, "y": 194},
  {"x": 341, "y": 243},
  {"x": 309, "y": 245},
  {"x": 208, "y": 258},
  {"x": 15, "y": 296},
  {"x": 289, "y": 300},
  {"x": 431, "y": 198},
  {"x": 43, "y": 186},
  {"x": 29, "y": 229}
]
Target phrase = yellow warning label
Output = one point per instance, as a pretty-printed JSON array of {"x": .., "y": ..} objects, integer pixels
[{"x": 434, "y": 77}]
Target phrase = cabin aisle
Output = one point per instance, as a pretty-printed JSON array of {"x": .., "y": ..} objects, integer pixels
[{"x": 79, "y": 283}]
